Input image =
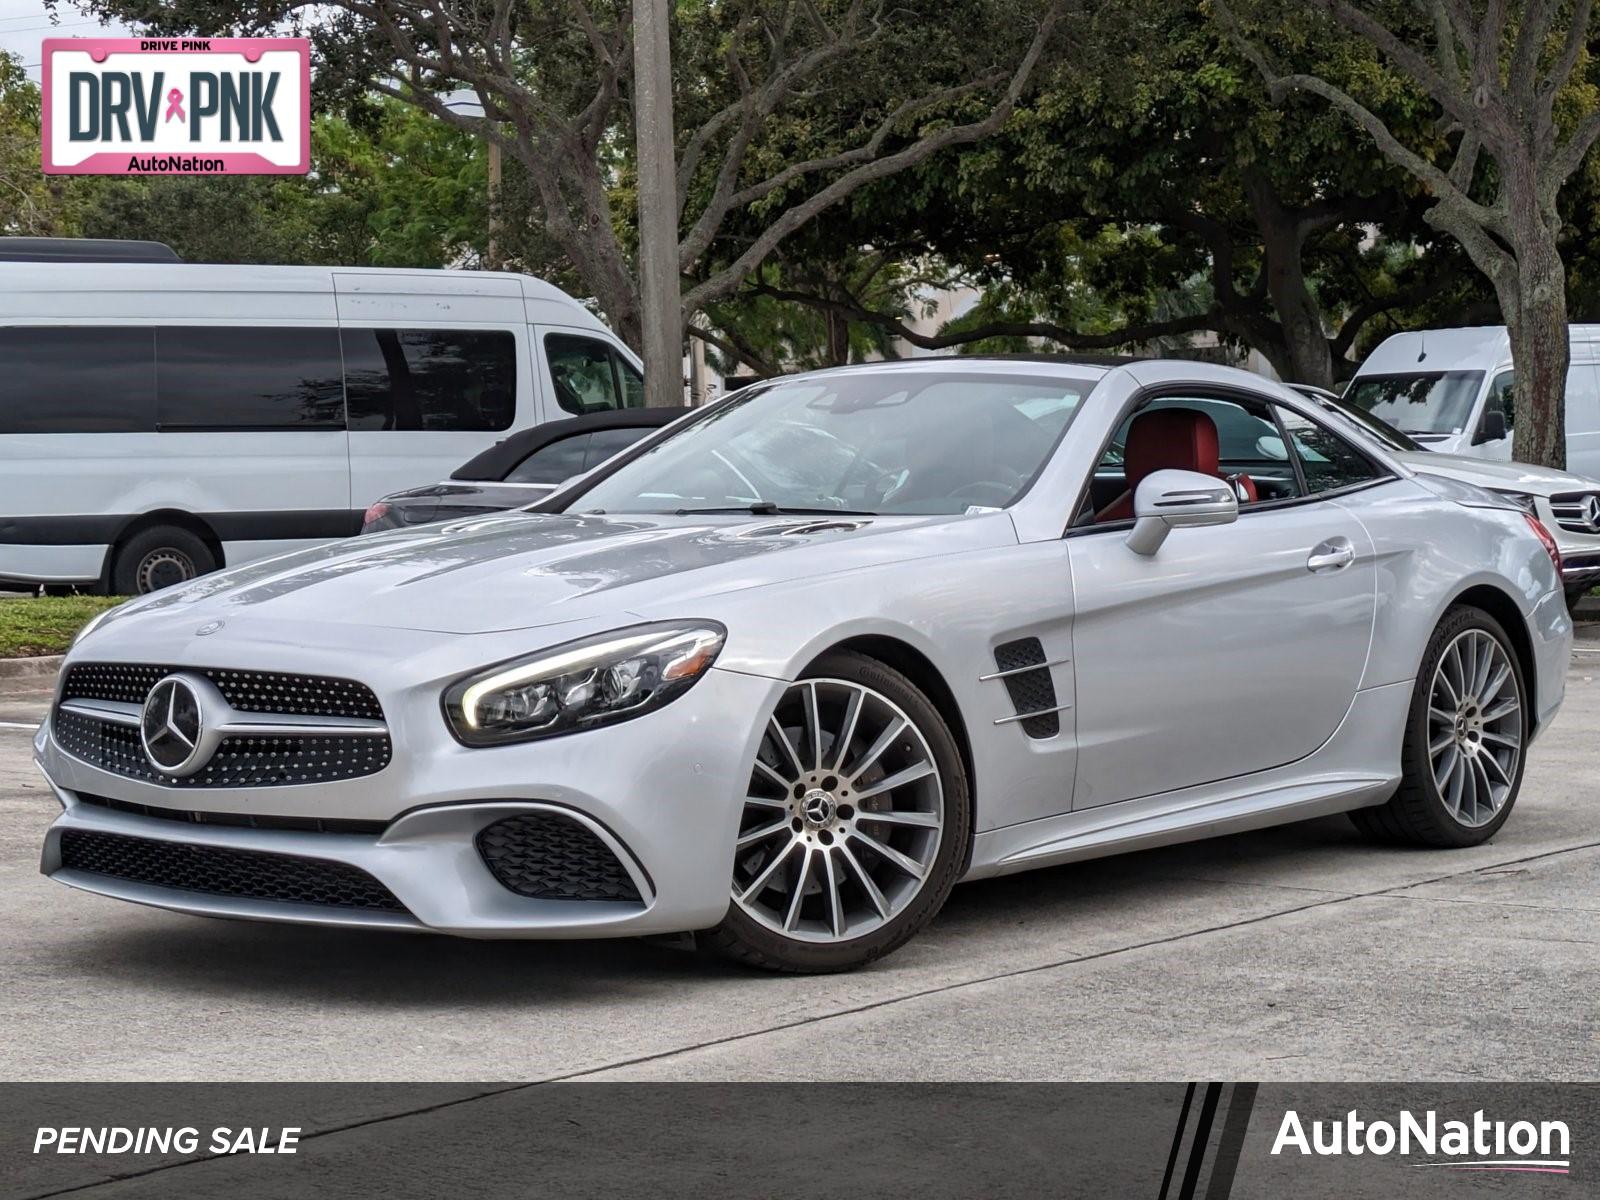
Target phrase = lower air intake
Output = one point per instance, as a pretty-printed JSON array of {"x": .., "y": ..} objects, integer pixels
[
  {"x": 551, "y": 857},
  {"x": 216, "y": 871}
]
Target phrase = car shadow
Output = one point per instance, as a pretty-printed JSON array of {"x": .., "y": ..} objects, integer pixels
[{"x": 217, "y": 959}]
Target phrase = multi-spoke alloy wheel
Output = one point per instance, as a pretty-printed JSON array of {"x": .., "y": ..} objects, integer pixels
[
  {"x": 851, "y": 828},
  {"x": 1462, "y": 761},
  {"x": 1475, "y": 727}
]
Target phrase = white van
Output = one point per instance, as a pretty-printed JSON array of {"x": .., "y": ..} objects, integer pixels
[
  {"x": 161, "y": 420},
  {"x": 1452, "y": 390}
]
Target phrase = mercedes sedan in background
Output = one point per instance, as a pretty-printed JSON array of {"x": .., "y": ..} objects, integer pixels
[
  {"x": 1567, "y": 505},
  {"x": 784, "y": 675}
]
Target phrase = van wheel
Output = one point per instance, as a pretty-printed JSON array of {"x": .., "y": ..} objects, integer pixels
[{"x": 158, "y": 558}]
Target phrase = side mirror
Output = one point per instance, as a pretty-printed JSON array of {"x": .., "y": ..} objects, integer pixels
[
  {"x": 1492, "y": 428},
  {"x": 1168, "y": 500}
]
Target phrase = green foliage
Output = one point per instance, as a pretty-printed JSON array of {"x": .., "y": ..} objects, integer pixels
[{"x": 46, "y": 624}]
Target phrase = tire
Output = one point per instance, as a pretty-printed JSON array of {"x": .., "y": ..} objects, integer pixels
[
  {"x": 159, "y": 557},
  {"x": 813, "y": 841},
  {"x": 1575, "y": 596},
  {"x": 1421, "y": 812}
]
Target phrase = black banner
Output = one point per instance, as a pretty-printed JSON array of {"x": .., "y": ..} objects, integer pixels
[{"x": 923, "y": 1141}]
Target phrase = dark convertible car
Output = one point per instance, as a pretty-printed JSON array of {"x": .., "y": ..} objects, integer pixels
[{"x": 520, "y": 469}]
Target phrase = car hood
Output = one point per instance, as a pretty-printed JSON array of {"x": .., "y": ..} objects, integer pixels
[
  {"x": 1504, "y": 476},
  {"x": 523, "y": 570}
]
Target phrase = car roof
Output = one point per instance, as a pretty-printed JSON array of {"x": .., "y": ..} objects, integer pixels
[{"x": 492, "y": 465}]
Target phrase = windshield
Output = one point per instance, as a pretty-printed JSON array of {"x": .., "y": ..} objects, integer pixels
[
  {"x": 1370, "y": 425},
  {"x": 871, "y": 442},
  {"x": 1440, "y": 402}
]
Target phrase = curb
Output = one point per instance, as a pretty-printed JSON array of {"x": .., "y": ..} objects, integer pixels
[{"x": 30, "y": 668}]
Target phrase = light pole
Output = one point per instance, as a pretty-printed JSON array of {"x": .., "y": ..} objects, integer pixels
[
  {"x": 466, "y": 102},
  {"x": 661, "y": 320}
]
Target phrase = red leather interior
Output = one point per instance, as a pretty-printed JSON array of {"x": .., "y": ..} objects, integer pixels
[{"x": 1167, "y": 439}]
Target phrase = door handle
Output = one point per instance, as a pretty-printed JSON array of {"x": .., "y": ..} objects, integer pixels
[{"x": 1335, "y": 554}]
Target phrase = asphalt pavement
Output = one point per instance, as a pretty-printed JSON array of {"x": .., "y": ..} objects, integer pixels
[{"x": 1299, "y": 953}]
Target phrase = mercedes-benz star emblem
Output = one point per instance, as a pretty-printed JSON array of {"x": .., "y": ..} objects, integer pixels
[
  {"x": 208, "y": 628},
  {"x": 171, "y": 726},
  {"x": 1591, "y": 511}
]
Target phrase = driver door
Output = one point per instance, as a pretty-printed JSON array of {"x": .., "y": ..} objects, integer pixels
[{"x": 1235, "y": 648}]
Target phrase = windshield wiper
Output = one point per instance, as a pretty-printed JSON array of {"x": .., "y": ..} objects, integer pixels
[{"x": 766, "y": 508}]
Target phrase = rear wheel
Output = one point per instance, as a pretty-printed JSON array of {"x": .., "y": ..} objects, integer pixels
[
  {"x": 157, "y": 558},
  {"x": 1463, "y": 757},
  {"x": 855, "y": 825}
]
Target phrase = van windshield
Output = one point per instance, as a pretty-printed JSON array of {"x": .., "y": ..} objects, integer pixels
[{"x": 1424, "y": 403}]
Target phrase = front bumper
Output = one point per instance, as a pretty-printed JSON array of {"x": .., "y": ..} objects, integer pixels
[{"x": 663, "y": 792}]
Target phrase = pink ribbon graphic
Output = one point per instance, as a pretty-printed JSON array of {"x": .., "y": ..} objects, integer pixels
[{"x": 175, "y": 105}]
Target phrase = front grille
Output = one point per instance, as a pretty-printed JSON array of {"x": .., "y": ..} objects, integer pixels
[
  {"x": 215, "y": 871},
  {"x": 239, "y": 820},
  {"x": 247, "y": 691},
  {"x": 1030, "y": 691},
  {"x": 279, "y": 760},
  {"x": 239, "y": 761},
  {"x": 1570, "y": 512},
  {"x": 552, "y": 857}
]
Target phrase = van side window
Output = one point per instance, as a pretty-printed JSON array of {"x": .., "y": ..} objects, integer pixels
[
  {"x": 248, "y": 377},
  {"x": 444, "y": 380},
  {"x": 92, "y": 379},
  {"x": 590, "y": 376},
  {"x": 1503, "y": 391}
]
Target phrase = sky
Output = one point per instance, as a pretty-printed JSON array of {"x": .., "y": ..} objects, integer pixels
[{"x": 24, "y": 24}]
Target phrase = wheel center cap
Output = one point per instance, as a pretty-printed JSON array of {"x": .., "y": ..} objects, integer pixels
[{"x": 818, "y": 806}]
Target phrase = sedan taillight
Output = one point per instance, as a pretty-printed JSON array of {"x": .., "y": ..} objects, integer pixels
[
  {"x": 376, "y": 512},
  {"x": 1549, "y": 543}
]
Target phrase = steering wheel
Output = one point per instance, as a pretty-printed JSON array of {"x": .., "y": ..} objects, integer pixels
[{"x": 985, "y": 493}]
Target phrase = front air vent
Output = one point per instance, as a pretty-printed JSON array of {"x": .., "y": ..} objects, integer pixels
[
  {"x": 1024, "y": 669},
  {"x": 548, "y": 856}
]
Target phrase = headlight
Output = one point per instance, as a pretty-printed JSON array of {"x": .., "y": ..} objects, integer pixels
[
  {"x": 582, "y": 685},
  {"x": 1521, "y": 499}
]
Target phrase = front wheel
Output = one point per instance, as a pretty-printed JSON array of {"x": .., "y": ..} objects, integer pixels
[
  {"x": 854, "y": 826},
  {"x": 1466, "y": 733}
]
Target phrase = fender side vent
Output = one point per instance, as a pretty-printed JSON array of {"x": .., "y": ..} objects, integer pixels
[{"x": 1030, "y": 691}]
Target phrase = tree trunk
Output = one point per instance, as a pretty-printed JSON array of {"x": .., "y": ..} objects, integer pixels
[
  {"x": 1305, "y": 342},
  {"x": 1537, "y": 322}
]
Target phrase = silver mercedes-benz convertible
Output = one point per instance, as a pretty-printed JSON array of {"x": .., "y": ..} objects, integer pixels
[{"x": 788, "y": 669}]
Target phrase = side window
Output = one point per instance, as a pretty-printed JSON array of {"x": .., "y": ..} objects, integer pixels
[
  {"x": 1504, "y": 393},
  {"x": 93, "y": 379},
  {"x": 603, "y": 443},
  {"x": 632, "y": 382},
  {"x": 584, "y": 373},
  {"x": 442, "y": 380},
  {"x": 248, "y": 377},
  {"x": 558, "y": 461},
  {"x": 590, "y": 376},
  {"x": 1329, "y": 462}
]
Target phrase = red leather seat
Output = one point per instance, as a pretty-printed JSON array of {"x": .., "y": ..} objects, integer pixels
[{"x": 1179, "y": 439}]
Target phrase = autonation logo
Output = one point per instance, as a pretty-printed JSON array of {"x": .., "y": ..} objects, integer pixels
[{"x": 1542, "y": 1148}]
